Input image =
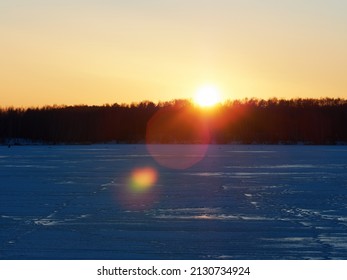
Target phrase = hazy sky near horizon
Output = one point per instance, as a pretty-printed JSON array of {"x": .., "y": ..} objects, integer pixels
[{"x": 110, "y": 51}]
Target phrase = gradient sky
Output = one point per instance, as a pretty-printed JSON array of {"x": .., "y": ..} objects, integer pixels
[{"x": 108, "y": 51}]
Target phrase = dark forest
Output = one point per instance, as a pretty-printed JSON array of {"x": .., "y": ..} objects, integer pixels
[{"x": 250, "y": 121}]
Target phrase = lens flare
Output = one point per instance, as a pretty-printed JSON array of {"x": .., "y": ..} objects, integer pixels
[
  {"x": 177, "y": 125},
  {"x": 177, "y": 157},
  {"x": 142, "y": 179},
  {"x": 138, "y": 192}
]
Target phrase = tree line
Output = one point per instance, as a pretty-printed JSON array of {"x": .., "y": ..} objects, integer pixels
[{"x": 273, "y": 121}]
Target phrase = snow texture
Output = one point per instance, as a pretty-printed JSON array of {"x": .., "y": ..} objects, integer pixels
[{"x": 238, "y": 202}]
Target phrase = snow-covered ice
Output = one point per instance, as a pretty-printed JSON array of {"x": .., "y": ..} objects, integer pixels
[{"x": 118, "y": 202}]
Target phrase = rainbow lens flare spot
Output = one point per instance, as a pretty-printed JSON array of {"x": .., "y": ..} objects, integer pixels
[
  {"x": 142, "y": 179},
  {"x": 138, "y": 192}
]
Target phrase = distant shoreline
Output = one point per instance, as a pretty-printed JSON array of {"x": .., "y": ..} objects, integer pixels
[
  {"x": 29, "y": 143},
  {"x": 250, "y": 121}
]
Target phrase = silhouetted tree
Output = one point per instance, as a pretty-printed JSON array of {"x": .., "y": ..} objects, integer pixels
[{"x": 310, "y": 121}]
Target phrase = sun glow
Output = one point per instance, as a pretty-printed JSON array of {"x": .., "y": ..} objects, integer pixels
[{"x": 207, "y": 96}]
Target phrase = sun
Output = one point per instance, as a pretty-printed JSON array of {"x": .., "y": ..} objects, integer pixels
[{"x": 207, "y": 96}]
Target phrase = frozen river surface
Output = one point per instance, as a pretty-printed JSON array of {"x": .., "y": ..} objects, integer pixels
[{"x": 121, "y": 202}]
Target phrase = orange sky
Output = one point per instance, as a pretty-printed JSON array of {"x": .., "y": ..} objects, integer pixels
[{"x": 103, "y": 51}]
